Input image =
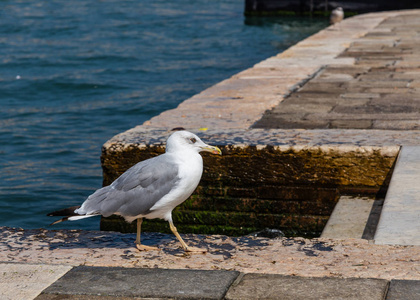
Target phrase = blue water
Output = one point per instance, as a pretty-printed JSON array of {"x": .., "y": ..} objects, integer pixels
[{"x": 75, "y": 73}]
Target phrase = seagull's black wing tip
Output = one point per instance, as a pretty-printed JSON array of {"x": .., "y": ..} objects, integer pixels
[{"x": 67, "y": 212}]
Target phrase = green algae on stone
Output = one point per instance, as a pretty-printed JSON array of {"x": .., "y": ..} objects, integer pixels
[{"x": 250, "y": 188}]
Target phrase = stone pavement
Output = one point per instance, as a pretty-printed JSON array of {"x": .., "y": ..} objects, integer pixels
[
  {"x": 380, "y": 90},
  {"x": 122, "y": 283},
  {"x": 102, "y": 283},
  {"x": 350, "y": 87},
  {"x": 103, "y": 265}
]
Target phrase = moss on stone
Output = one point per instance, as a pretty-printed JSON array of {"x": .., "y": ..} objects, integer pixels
[{"x": 250, "y": 188}]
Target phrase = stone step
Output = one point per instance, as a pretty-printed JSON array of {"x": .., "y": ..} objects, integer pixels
[
  {"x": 399, "y": 223},
  {"x": 353, "y": 218}
]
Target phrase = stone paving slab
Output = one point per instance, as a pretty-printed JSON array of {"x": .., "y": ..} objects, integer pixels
[
  {"x": 382, "y": 68},
  {"x": 349, "y": 218},
  {"x": 400, "y": 218},
  {"x": 88, "y": 297},
  {"x": 26, "y": 281},
  {"x": 266, "y": 286},
  {"x": 144, "y": 283},
  {"x": 404, "y": 290}
]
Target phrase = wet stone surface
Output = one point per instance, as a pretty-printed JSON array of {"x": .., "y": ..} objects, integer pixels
[{"x": 248, "y": 254}]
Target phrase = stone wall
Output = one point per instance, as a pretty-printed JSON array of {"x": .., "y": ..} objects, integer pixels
[{"x": 250, "y": 188}]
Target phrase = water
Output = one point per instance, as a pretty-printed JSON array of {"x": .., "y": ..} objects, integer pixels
[{"x": 75, "y": 73}]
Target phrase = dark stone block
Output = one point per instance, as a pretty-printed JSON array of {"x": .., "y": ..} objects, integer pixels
[
  {"x": 348, "y": 124},
  {"x": 147, "y": 283},
  {"x": 241, "y": 192},
  {"x": 270, "y": 286},
  {"x": 248, "y": 189},
  {"x": 404, "y": 289}
]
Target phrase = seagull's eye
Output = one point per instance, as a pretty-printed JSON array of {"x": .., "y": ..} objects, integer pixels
[{"x": 193, "y": 140}]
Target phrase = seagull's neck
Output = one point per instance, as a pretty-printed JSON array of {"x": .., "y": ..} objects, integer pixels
[
  {"x": 186, "y": 155},
  {"x": 190, "y": 165}
]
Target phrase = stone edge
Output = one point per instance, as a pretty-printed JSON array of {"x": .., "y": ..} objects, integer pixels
[{"x": 230, "y": 293}]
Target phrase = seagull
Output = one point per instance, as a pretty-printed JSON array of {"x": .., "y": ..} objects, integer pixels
[
  {"x": 337, "y": 15},
  {"x": 150, "y": 189}
]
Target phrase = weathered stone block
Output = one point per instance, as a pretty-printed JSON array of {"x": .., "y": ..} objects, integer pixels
[
  {"x": 360, "y": 124},
  {"x": 250, "y": 187},
  {"x": 241, "y": 192},
  {"x": 404, "y": 289},
  {"x": 270, "y": 286},
  {"x": 397, "y": 124}
]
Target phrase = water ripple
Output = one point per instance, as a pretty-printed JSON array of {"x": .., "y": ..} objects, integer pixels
[{"x": 75, "y": 73}]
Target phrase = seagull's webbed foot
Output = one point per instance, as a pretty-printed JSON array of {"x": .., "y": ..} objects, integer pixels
[
  {"x": 195, "y": 250},
  {"x": 142, "y": 247},
  {"x": 183, "y": 244}
]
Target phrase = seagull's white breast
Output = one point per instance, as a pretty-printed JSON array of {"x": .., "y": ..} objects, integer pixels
[{"x": 190, "y": 165}]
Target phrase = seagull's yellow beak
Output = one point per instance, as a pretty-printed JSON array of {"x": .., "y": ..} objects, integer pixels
[{"x": 212, "y": 149}]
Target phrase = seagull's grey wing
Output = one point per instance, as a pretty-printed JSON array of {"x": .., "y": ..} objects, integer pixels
[{"x": 136, "y": 190}]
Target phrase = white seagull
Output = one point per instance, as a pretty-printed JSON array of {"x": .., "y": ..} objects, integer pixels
[
  {"x": 337, "y": 15},
  {"x": 151, "y": 188}
]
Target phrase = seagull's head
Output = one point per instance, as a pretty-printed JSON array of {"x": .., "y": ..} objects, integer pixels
[{"x": 183, "y": 140}]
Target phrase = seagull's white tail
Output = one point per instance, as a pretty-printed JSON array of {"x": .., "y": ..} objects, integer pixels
[{"x": 75, "y": 218}]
